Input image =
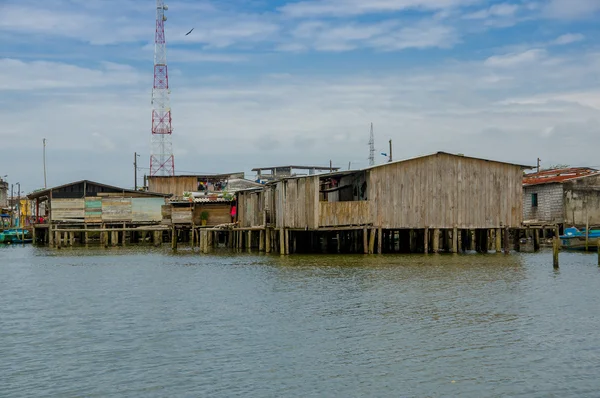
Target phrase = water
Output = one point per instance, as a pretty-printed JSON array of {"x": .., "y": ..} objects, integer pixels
[{"x": 145, "y": 322}]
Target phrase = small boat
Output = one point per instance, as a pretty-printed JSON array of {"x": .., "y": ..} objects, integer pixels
[
  {"x": 574, "y": 239},
  {"x": 14, "y": 236}
]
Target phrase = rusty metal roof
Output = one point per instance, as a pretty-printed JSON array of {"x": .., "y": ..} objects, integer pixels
[{"x": 558, "y": 175}]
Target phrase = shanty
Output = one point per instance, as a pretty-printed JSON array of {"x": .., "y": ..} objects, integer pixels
[
  {"x": 425, "y": 204},
  {"x": 86, "y": 211}
]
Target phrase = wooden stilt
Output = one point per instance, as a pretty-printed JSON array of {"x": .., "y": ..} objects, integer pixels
[
  {"x": 426, "y": 241},
  {"x": 435, "y": 244},
  {"x": 282, "y": 241},
  {"x": 379, "y": 240},
  {"x": 372, "y": 241},
  {"x": 536, "y": 240},
  {"x": 287, "y": 241},
  {"x": 498, "y": 240},
  {"x": 261, "y": 243},
  {"x": 517, "y": 239},
  {"x": 365, "y": 241},
  {"x": 555, "y": 249},
  {"x": 173, "y": 238},
  {"x": 455, "y": 240}
]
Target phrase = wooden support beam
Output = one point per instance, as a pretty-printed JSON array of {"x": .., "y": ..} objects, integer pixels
[
  {"x": 555, "y": 249},
  {"x": 268, "y": 240},
  {"x": 261, "y": 243},
  {"x": 287, "y": 241},
  {"x": 365, "y": 241},
  {"x": 372, "y": 241},
  {"x": 536, "y": 240},
  {"x": 426, "y": 241},
  {"x": 455, "y": 240},
  {"x": 282, "y": 241},
  {"x": 379, "y": 240},
  {"x": 498, "y": 240},
  {"x": 173, "y": 238},
  {"x": 435, "y": 244}
]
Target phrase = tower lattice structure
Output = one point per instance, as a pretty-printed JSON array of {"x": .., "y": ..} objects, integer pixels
[
  {"x": 372, "y": 148},
  {"x": 162, "y": 162}
]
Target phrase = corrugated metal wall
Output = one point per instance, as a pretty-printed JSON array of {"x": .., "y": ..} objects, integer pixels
[{"x": 445, "y": 191}]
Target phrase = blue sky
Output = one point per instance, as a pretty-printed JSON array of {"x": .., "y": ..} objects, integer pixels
[{"x": 259, "y": 83}]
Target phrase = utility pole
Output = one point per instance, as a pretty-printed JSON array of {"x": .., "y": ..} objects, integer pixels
[
  {"x": 45, "y": 184},
  {"x": 372, "y": 147},
  {"x": 330, "y": 166},
  {"x": 390, "y": 150},
  {"x": 538, "y": 164},
  {"x": 12, "y": 203},
  {"x": 135, "y": 156}
]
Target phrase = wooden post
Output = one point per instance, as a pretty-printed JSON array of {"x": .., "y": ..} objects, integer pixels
[
  {"x": 50, "y": 236},
  {"x": 282, "y": 241},
  {"x": 339, "y": 242},
  {"x": 435, "y": 244},
  {"x": 426, "y": 241},
  {"x": 455, "y": 240},
  {"x": 555, "y": 247},
  {"x": 240, "y": 239},
  {"x": 365, "y": 241},
  {"x": 71, "y": 238},
  {"x": 286, "y": 238},
  {"x": 536, "y": 239},
  {"x": 498, "y": 240},
  {"x": 261, "y": 240},
  {"x": 379, "y": 240},
  {"x": 206, "y": 245},
  {"x": 268, "y": 240},
  {"x": 293, "y": 243},
  {"x": 371, "y": 240},
  {"x": 173, "y": 238},
  {"x": 506, "y": 240},
  {"x": 517, "y": 239},
  {"x": 587, "y": 229}
]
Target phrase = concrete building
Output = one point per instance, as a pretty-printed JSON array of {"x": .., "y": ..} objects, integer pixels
[{"x": 567, "y": 197}]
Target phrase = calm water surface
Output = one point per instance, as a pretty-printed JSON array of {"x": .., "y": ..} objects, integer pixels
[{"x": 146, "y": 322}]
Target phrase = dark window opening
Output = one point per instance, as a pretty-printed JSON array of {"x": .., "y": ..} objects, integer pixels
[{"x": 534, "y": 200}]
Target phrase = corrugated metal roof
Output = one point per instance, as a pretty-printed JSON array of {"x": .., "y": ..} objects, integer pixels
[{"x": 558, "y": 175}]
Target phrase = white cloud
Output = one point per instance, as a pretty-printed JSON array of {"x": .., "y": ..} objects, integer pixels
[
  {"x": 313, "y": 8},
  {"x": 515, "y": 59},
  {"x": 571, "y": 9},
  {"x": 497, "y": 10},
  {"x": 39, "y": 75},
  {"x": 568, "y": 39}
]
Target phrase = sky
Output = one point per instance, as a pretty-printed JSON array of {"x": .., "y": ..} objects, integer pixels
[{"x": 261, "y": 83}]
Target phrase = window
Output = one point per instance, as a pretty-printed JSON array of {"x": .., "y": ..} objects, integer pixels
[{"x": 534, "y": 200}]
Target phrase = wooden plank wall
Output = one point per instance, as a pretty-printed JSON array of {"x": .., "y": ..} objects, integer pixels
[
  {"x": 173, "y": 185},
  {"x": 218, "y": 213},
  {"x": 116, "y": 209},
  {"x": 146, "y": 209},
  {"x": 296, "y": 203},
  {"x": 446, "y": 191},
  {"x": 333, "y": 214},
  {"x": 93, "y": 210},
  {"x": 72, "y": 210},
  {"x": 181, "y": 215}
]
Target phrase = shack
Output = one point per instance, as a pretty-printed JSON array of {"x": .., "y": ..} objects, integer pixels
[
  {"x": 178, "y": 186},
  {"x": 85, "y": 211},
  {"x": 425, "y": 204},
  {"x": 567, "y": 197},
  {"x": 272, "y": 173}
]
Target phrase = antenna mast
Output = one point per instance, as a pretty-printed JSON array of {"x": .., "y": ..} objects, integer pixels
[
  {"x": 372, "y": 148},
  {"x": 162, "y": 162}
]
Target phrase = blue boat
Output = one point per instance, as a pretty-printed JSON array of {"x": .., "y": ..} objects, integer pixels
[
  {"x": 575, "y": 239},
  {"x": 13, "y": 236}
]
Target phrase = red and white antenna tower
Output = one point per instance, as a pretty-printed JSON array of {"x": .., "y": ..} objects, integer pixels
[{"x": 162, "y": 162}]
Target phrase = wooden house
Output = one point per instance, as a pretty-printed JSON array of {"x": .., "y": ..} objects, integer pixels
[
  {"x": 178, "y": 185},
  {"x": 94, "y": 206},
  {"x": 438, "y": 196}
]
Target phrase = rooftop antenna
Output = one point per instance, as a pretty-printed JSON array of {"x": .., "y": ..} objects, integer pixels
[{"x": 372, "y": 148}]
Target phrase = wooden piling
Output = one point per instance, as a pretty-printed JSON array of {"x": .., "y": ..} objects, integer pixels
[
  {"x": 506, "y": 240},
  {"x": 555, "y": 249},
  {"x": 173, "y": 238},
  {"x": 365, "y": 241},
  {"x": 498, "y": 240},
  {"x": 50, "y": 236},
  {"x": 261, "y": 240},
  {"x": 435, "y": 244},
  {"x": 371, "y": 240},
  {"x": 426, "y": 241},
  {"x": 282, "y": 241},
  {"x": 454, "y": 240},
  {"x": 286, "y": 238},
  {"x": 379, "y": 240},
  {"x": 339, "y": 243},
  {"x": 536, "y": 240}
]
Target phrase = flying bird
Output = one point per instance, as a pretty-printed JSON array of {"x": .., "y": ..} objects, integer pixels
[{"x": 189, "y": 32}]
